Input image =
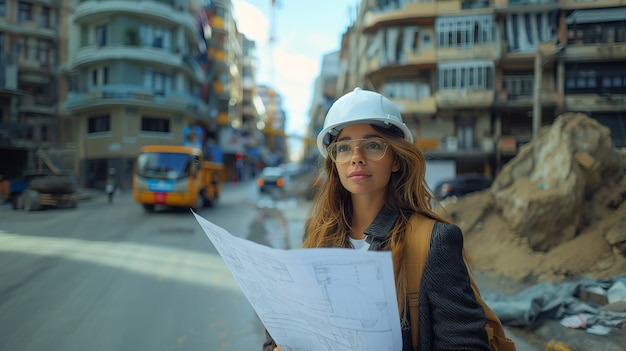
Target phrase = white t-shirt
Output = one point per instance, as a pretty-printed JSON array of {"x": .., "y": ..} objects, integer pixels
[{"x": 360, "y": 244}]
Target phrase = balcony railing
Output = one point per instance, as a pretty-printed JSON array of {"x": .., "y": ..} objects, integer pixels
[
  {"x": 136, "y": 94},
  {"x": 518, "y": 87},
  {"x": 531, "y": 2}
]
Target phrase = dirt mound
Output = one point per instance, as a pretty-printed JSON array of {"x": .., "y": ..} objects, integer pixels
[{"x": 555, "y": 212}]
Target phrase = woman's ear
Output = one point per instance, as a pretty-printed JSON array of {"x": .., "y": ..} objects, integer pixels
[{"x": 395, "y": 166}]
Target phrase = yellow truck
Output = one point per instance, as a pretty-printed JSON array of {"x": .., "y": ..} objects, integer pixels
[{"x": 176, "y": 176}]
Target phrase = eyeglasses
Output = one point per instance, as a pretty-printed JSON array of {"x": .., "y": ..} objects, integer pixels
[{"x": 372, "y": 149}]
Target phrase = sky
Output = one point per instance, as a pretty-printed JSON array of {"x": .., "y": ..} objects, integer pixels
[{"x": 305, "y": 31}]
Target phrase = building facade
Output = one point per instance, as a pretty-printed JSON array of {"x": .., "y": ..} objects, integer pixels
[
  {"x": 476, "y": 79},
  {"x": 30, "y": 53},
  {"x": 97, "y": 80}
]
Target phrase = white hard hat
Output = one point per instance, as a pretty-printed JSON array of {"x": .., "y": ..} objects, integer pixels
[{"x": 360, "y": 106}]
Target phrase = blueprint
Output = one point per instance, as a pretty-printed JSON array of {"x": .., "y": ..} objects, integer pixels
[{"x": 315, "y": 299}]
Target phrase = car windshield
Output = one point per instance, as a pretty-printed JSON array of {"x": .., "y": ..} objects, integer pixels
[
  {"x": 272, "y": 172},
  {"x": 163, "y": 165}
]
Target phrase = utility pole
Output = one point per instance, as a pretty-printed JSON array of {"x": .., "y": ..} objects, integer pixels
[{"x": 537, "y": 93}]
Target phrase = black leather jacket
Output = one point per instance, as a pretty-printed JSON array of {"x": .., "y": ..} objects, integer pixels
[{"x": 450, "y": 316}]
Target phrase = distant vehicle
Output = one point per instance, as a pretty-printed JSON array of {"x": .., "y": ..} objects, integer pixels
[
  {"x": 175, "y": 176},
  {"x": 461, "y": 185},
  {"x": 49, "y": 190},
  {"x": 272, "y": 179}
]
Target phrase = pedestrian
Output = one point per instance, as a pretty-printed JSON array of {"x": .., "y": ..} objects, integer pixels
[
  {"x": 111, "y": 185},
  {"x": 375, "y": 183}
]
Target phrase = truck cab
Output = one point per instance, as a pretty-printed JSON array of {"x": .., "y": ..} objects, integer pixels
[{"x": 175, "y": 176}]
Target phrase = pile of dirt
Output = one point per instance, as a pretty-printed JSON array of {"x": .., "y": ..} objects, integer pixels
[{"x": 555, "y": 212}]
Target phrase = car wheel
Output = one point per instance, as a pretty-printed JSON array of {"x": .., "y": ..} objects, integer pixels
[
  {"x": 199, "y": 202},
  {"x": 31, "y": 200}
]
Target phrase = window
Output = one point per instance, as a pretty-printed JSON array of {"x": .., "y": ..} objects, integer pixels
[
  {"x": 45, "y": 54},
  {"x": 581, "y": 78},
  {"x": 519, "y": 85},
  {"x": 157, "y": 82},
  {"x": 45, "y": 17},
  {"x": 152, "y": 124},
  {"x": 465, "y": 31},
  {"x": 3, "y": 8},
  {"x": 155, "y": 36},
  {"x": 101, "y": 35},
  {"x": 407, "y": 89},
  {"x": 466, "y": 76},
  {"x": 99, "y": 124},
  {"x": 24, "y": 12},
  {"x": 607, "y": 32},
  {"x": 26, "y": 48},
  {"x": 99, "y": 76}
]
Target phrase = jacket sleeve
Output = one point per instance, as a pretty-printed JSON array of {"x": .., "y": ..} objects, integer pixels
[{"x": 457, "y": 320}]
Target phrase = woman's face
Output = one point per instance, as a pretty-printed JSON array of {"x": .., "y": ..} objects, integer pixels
[{"x": 360, "y": 174}]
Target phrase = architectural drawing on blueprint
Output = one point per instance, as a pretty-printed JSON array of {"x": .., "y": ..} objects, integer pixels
[{"x": 315, "y": 299}]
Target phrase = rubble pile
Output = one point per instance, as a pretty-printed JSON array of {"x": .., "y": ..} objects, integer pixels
[{"x": 556, "y": 211}]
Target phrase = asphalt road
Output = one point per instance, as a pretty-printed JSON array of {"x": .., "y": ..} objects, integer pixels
[{"x": 112, "y": 277}]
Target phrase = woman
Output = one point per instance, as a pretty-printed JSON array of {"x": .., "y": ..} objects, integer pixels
[{"x": 376, "y": 181}]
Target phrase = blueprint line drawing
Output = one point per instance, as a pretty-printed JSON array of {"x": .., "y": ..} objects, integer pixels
[{"x": 315, "y": 299}]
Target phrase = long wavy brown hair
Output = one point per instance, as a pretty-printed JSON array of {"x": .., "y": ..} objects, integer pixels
[{"x": 330, "y": 215}]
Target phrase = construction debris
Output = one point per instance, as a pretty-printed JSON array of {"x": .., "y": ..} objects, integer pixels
[{"x": 556, "y": 211}]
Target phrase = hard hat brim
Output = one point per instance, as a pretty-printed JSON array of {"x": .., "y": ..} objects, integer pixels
[{"x": 328, "y": 134}]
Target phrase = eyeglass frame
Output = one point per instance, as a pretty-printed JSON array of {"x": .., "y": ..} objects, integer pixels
[{"x": 348, "y": 142}]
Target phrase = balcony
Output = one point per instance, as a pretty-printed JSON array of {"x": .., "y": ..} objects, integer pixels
[
  {"x": 427, "y": 144},
  {"x": 614, "y": 51},
  {"x": 426, "y": 106},
  {"x": 465, "y": 98},
  {"x": 88, "y": 12},
  {"x": 517, "y": 91},
  {"x": 155, "y": 56},
  {"x": 451, "y": 146},
  {"x": 32, "y": 28},
  {"x": 595, "y": 102},
  {"x": 578, "y": 4},
  {"x": 489, "y": 52},
  {"x": 34, "y": 66},
  {"x": 218, "y": 23},
  {"x": 418, "y": 12},
  {"x": 422, "y": 57},
  {"x": 43, "y": 105},
  {"x": 8, "y": 73},
  {"x": 114, "y": 95},
  {"x": 517, "y": 6}
]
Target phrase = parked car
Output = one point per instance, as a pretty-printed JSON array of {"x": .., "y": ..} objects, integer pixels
[
  {"x": 272, "y": 179},
  {"x": 461, "y": 185}
]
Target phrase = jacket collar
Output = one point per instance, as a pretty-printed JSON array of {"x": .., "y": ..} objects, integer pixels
[{"x": 378, "y": 232}]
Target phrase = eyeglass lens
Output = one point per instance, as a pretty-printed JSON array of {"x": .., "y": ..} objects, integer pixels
[{"x": 372, "y": 149}]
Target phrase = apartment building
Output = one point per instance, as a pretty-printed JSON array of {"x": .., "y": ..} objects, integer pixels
[
  {"x": 30, "y": 44},
  {"x": 133, "y": 79},
  {"x": 324, "y": 93},
  {"x": 100, "y": 79},
  {"x": 476, "y": 79},
  {"x": 593, "y": 62},
  {"x": 274, "y": 128}
]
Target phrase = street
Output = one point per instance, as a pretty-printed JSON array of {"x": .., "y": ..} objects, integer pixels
[{"x": 112, "y": 277}]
